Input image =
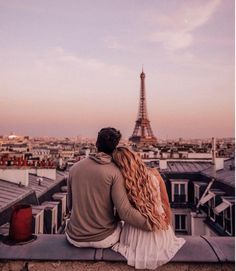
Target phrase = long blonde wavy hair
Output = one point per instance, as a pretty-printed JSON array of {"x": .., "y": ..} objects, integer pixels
[{"x": 142, "y": 191}]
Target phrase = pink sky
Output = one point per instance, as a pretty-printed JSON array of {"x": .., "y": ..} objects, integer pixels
[{"x": 71, "y": 67}]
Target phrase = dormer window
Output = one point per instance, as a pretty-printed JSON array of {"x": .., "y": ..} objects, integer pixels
[
  {"x": 221, "y": 207},
  {"x": 219, "y": 211},
  {"x": 206, "y": 198},
  {"x": 226, "y": 210},
  {"x": 179, "y": 191},
  {"x": 197, "y": 190}
]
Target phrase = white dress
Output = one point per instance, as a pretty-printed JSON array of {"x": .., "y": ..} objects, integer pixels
[{"x": 148, "y": 250}]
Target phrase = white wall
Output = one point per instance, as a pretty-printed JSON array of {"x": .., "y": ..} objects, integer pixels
[
  {"x": 195, "y": 155},
  {"x": 47, "y": 172},
  {"x": 33, "y": 170},
  {"x": 15, "y": 176},
  {"x": 198, "y": 226},
  {"x": 175, "y": 155},
  {"x": 165, "y": 155},
  {"x": 163, "y": 164}
]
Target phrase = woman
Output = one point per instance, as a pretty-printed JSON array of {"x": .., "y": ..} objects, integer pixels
[{"x": 147, "y": 192}]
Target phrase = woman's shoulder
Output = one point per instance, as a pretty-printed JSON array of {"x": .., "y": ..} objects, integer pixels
[
  {"x": 157, "y": 176},
  {"x": 154, "y": 177},
  {"x": 155, "y": 172}
]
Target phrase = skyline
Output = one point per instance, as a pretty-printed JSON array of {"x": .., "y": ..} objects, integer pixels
[
  {"x": 71, "y": 69},
  {"x": 79, "y": 137}
]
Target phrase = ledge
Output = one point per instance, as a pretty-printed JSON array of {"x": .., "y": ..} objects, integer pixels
[
  {"x": 199, "y": 249},
  {"x": 54, "y": 253}
]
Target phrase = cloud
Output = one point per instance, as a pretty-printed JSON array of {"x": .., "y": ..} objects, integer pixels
[
  {"x": 173, "y": 40},
  {"x": 57, "y": 58},
  {"x": 113, "y": 43},
  {"x": 197, "y": 16},
  {"x": 176, "y": 30}
]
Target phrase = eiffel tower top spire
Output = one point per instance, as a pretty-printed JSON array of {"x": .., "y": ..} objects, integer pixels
[
  {"x": 142, "y": 113},
  {"x": 142, "y": 131}
]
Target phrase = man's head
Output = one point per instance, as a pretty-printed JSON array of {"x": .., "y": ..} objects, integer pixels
[{"x": 107, "y": 140}]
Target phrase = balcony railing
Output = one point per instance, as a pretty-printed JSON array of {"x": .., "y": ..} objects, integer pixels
[{"x": 180, "y": 198}]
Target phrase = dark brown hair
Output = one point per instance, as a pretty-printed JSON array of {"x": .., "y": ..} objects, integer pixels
[{"x": 107, "y": 140}]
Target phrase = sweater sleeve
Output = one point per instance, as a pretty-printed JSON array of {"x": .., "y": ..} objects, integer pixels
[{"x": 126, "y": 212}]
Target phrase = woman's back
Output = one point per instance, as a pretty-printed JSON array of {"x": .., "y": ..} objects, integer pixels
[
  {"x": 148, "y": 250},
  {"x": 147, "y": 192}
]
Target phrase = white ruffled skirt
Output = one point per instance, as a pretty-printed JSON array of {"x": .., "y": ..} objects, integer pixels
[{"x": 147, "y": 250}]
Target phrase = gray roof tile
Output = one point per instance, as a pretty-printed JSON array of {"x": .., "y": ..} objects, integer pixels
[
  {"x": 187, "y": 166},
  {"x": 46, "y": 184},
  {"x": 10, "y": 193},
  {"x": 225, "y": 175}
]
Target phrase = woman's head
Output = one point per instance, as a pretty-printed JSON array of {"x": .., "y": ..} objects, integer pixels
[
  {"x": 127, "y": 160},
  {"x": 141, "y": 189}
]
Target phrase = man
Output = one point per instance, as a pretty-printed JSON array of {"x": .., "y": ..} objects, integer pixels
[{"x": 95, "y": 187}]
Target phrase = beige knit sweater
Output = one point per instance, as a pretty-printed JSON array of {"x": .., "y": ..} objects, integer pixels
[{"x": 95, "y": 187}]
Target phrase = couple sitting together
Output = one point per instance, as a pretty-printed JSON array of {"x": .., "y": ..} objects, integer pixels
[{"x": 117, "y": 201}]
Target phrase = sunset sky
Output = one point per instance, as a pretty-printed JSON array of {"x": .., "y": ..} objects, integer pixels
[{"x": 71, "y": 67}]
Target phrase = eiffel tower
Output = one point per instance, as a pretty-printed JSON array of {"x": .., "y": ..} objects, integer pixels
[{"x": 142, "y": 133}]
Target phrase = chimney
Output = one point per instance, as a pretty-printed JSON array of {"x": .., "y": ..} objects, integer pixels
[
  {"x": 60, "y": 162},
  {"x": 33, "y": 170},
  {"x": 213, "y": 150},
  {"x": 219, "y": 163},
  {"x": 163, "y": 164},
  {"x": 87, "y": 152},
  {"x": 15, "y": 175}
]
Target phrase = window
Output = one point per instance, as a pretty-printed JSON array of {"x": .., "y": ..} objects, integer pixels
[
  {"x": 211, "y": 205},
  {"x": 180, "y": 222},
  {"x": 227, "y": 213},
  {"x": 228, "y": 219},
  {"x": 219, "y": 220},
  {"x": 179, "y": 192},
  {"x": 196, "y": 194}
]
